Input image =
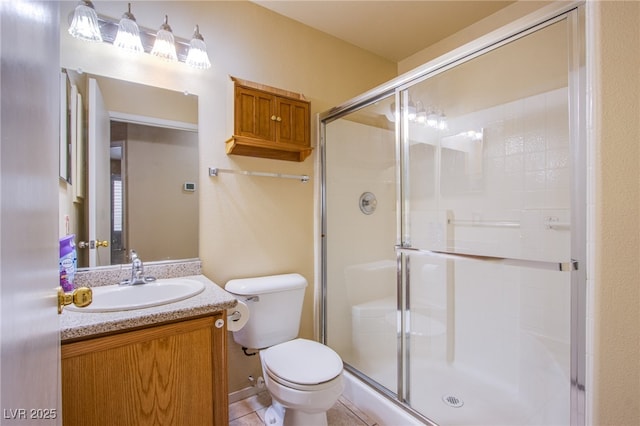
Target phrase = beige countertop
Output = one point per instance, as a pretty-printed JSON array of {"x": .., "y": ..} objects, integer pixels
[{"x": 77, "y": 325}]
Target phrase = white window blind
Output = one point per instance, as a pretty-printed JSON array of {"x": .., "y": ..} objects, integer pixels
[{"x": 117, "y": 205}]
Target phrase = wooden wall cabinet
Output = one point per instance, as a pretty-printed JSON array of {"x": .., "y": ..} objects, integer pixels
[
  {"x": 173, "y": 374},
  {"x": 270, "y": 123}
]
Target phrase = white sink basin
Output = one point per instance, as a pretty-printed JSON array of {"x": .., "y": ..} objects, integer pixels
[{"x": 112, "y": 298}]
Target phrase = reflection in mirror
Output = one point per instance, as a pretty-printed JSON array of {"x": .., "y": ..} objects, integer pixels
[
  {"x": 139, "y": 167},
  {"x": 461, "y": 163}
]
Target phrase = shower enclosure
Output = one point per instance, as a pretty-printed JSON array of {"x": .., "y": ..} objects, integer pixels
[{"x": 453, "y": 242}]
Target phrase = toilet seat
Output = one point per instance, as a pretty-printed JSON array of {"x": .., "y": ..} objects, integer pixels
[
  {"x": 309, "y": 388},
  {"x": 302, "y": 364}
]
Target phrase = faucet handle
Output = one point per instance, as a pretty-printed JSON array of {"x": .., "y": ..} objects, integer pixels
[{"x": 133, "y": 255}]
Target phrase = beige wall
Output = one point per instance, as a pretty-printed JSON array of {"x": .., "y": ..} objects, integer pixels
[
  {"x": 138, "y": 99},
  {"x": 616, "y": 307},
  {"x": 162, "y": 218},
  {"x": 248, "y": 225},
  {"x": 480, "y": 28}
]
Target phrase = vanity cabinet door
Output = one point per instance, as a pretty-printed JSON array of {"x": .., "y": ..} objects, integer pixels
[{"x": 174, "y": 374}]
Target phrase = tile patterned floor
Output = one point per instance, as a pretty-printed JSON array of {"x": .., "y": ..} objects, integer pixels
[{"x": 250, "y": 412}]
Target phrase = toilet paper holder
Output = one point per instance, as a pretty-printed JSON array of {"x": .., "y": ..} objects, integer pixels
[
  {"x": 238, "y": 316},
  {"x": 235, "y": 316}
]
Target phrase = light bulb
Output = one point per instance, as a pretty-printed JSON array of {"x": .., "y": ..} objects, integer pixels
[
  {"x": 442, "y": 122},
  {"x": 421, "y": 114},
  {"x": 432, "y": 119}
]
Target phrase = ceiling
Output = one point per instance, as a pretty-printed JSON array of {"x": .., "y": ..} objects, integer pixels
[{"x": 393, "y": 30}]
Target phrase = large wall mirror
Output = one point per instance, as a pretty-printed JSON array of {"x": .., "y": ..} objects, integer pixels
[{"x": 133, "y": 181}]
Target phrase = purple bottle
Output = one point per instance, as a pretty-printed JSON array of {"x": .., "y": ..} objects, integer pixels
[{"x": 68, "y": 262}]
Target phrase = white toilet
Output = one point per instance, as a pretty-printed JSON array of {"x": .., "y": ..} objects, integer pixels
[{"x": 303, "y": 377}]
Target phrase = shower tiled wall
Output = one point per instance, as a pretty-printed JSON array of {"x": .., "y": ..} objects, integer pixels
[{"x": 522, "y": 186}]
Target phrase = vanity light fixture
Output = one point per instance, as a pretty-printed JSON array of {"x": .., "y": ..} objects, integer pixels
[
  {"x": 416, "y": 113},
  {"x": 411, "y": 112},
  {"x": 85, "y": 22},
  {"x": 164, "y": 46},
  {"x": 197, "y": 57},
  {"x": 128, "y": 36}
]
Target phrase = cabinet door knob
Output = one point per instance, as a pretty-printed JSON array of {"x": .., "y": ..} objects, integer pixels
[
  {"x": 279, "y": 119},
  {"x": 274, "y": 118}
]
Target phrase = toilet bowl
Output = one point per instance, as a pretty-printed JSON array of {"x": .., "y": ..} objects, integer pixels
[{"x": 304, "y": 377}]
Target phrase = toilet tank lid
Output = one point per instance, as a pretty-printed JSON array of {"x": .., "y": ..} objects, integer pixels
[{"x": 265, "y": 284}]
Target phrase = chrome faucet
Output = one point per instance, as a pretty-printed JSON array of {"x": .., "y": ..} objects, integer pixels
[{"x": 137, "y": 271}]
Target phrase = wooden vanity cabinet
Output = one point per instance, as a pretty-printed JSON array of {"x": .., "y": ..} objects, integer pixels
[
  {"x": 270, "y": 123},
  {"x": 172, "y": 374}
]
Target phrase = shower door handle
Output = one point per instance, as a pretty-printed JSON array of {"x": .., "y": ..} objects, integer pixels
[{"x": 572, "y": 265}]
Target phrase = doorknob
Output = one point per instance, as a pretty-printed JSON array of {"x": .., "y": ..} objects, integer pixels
[
  {"x": 93, "y": 244},
  {"x": 80, "y": 297}
]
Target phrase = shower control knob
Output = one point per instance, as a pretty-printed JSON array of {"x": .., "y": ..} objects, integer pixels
[{"x": 368, "y": 203}]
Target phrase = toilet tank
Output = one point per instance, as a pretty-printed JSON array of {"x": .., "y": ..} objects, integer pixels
[{"x": 275, "y": 305}]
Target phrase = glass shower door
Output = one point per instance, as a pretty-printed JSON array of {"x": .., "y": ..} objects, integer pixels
[
  {"x": 486, "y": 240},
  {"x": 360, "y": 261}
]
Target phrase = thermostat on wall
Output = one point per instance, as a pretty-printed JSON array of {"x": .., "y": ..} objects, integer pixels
[{"x": 189, "y": 186}]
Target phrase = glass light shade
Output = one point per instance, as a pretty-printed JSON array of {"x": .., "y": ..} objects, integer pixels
[
  {"x": 197, "y": 56},
  {"x": 128, "y": 36},
  {"x": 432, "y": 119},
  {"x": 411, "y": 111},
  {"x": 85, "y": 23},
  {"x": 391, "y": 114},
  {"x": 164, "y": 46},
  {"x": 421, "y": 114},
  {"x": 442, "y": 122}
]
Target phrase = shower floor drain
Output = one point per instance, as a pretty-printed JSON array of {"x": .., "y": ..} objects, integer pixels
[{"x": 452, "y": 401}]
